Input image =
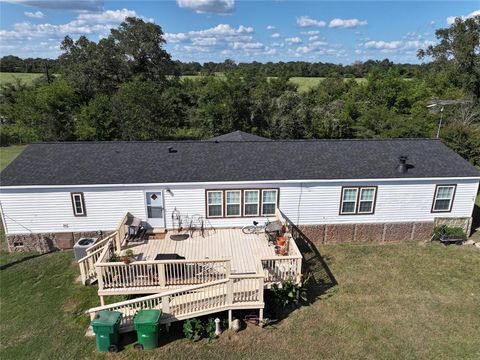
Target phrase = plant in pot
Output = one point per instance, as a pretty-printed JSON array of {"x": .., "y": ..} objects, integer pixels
[
  {"x": 128, "y": 257},
  {"x": 284, "y": 228}
]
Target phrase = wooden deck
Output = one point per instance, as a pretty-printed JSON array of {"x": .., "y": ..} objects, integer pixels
[{"x": 244, "y": 250}]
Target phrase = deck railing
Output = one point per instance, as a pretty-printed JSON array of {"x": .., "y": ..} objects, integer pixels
[
  {"x": 160, "y": 273},
  {"x": 195, "y": 300},
  {"x": 88, "y": 271}
]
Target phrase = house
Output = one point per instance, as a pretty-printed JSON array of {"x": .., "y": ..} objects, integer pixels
[
  {"x": 334, "y": 190},
  {"x": 329, "y": 190}
]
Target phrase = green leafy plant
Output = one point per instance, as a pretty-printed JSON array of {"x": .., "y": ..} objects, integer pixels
[
  {"x": 129, "y": 253},
  {"x": 114, "y": 257},
  {"x": 193, "y": 329},
  {"x": 448, "y": 232},
  {"x": 289, "y": 294},
  {"x": 210, "y": 329}
]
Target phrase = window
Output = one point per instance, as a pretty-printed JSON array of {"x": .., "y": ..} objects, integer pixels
[
  {"x": 214, "y": 203},
  {"x": 443, "y": 199},
  {"x": 358, "y": 200},
  {"x": 349, "y": 201},
  {"x": 367, "y": 197},
  {"x": 251, "y": 202},
  {"x": 269, "y": 202},
  {"x": 78, "y": 204},
  {"x": 233, "y": 202}
]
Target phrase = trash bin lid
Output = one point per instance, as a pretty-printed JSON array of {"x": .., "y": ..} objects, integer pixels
[
  {"x": 147, "y": 317},
  {"x": 107, "y": 318}
]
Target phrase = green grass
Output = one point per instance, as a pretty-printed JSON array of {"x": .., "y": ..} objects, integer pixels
[
  {"x": 392, "y": 301},
  {"x": 7, "y": 154},
  {"x": 26, "y": 78}
]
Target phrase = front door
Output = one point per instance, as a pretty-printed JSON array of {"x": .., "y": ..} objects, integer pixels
[{"x": 155, "y": 211}]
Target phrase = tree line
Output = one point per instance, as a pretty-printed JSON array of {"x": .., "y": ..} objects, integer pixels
[{"x": 126, "y": 87}]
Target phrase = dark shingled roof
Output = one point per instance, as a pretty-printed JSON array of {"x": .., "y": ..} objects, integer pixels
[
  {"x": 239, "y": 136},
  {"x": 78, "y": 163}
]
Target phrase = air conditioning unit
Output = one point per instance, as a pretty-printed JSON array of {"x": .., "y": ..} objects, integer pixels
[{"x": 81, "y": 246}]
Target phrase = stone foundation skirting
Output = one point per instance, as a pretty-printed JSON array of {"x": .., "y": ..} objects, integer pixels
[
  {"x": 370, "y": 232},
  {"x": 46, "y": 242}
]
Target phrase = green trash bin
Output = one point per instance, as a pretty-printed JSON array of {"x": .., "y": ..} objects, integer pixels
[
  {"x": 105, "y": 326},
  {"x": 146, "y": 323}
]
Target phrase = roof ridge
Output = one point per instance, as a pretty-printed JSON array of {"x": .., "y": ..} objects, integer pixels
[{"x": 206, "y": 141}]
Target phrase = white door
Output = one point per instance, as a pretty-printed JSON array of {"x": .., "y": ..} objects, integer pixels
[{"x": 155, "y": 211}]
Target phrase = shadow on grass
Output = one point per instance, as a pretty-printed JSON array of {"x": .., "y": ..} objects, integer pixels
[
  {"x": 318, "y": 278},
  {"x": 476, "y": 220},
  {"x": 26, "y": 258}
]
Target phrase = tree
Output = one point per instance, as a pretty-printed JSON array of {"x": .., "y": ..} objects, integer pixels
[
  {"x": 459, "y": 49},
  {"x": 141, "y": 42},
  {"x": 94, "y": 122}
]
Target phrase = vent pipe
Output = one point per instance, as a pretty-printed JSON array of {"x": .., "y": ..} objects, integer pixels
[
  {"x": 171, "y": 150},
  {"x": 402, "y": 166}
]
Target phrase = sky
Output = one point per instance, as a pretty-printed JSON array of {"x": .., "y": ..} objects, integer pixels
[{"x": 214, "y": 30}]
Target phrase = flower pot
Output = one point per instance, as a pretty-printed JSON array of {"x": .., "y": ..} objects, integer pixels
[
  {"x": 126, "y": 260},
  {"x": 281, "y": 240}
]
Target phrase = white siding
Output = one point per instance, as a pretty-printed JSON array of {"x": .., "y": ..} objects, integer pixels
[
  {"x": 309, "y": 203},
  {"x": 51, "y": 210}
]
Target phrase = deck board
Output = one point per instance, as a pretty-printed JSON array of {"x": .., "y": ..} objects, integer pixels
[{"x": 244, "y": 250}]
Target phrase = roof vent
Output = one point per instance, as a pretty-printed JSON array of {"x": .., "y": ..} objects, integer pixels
[
  {"x": 172, "y": 150},
  {"x": 402, "y": 166}
]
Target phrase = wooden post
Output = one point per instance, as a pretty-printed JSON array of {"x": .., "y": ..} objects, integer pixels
[
  {"x": 230, "y": 319},
  {"x": 118, "y": 245},
  {"x": 260, "y": 317},
  {"x": 82, "y": 273},
  {"x": 99, "y": 271},
  {"x": 102, "y": 300},
  {"x": 161, "y": 275}
]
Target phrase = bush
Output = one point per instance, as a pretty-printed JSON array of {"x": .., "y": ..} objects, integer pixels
[
  {"x": 448, "y": 232},
  {"x": 289, "y": 294},
  {"x": 193, "y": 329}
]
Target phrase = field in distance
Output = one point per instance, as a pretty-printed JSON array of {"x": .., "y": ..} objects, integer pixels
[{"x": 303, "y": 83}]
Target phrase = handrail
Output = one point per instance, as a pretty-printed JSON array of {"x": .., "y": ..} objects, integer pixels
[
  {"x": 86, "y": 257},
  {"x": 156, "y": 262},
  {"x": 155, "y": 296},
  {"x": 100, "y": 243}
]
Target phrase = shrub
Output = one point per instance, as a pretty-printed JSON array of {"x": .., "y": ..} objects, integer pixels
[
  {"x": 449, "y": 232},
  {"x": 193, "y": 329},
  {"x": 210, "y": 329},
  {"x": 289, "y": 294}
]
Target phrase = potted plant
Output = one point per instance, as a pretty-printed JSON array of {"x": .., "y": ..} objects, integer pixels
[
  {"x": 128, "y": 257},
  {"x": 284, "y": 228},
  {"x": 281, "y": 240}
]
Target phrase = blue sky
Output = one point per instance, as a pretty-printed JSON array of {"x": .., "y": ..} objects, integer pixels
[{"x": 213, "y": 30}]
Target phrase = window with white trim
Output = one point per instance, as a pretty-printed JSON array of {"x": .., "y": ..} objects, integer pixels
[
  {"x": 349, "y": 201},
  {"x": 233, "y": 202},
  {"x": 78, "y": 204},
  {"x": 251, "y": 199},
  {"x": 215, "y": 203},
  {"x": 443, "y": 198},
  {"x": 358, "y": 200},
  {"x": 269, "y": 201}
]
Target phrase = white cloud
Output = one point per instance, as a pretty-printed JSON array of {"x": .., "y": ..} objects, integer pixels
[
  {"x": 432, "y": 23},
  {"x": 209, "y": 41},
  {"x": 271, "y": 27},
  {"x": 306, "y": 21},
  {"x": 35, "y": 15},
  {"x": 313, "y": 38},
  {"x": 310, "y": 33},
  {"x": 208, "y": 6},
  {"x": 397, "y": 45},
  {"x": 276, "y": 35},
  {"x": 26, "y": 36},
  {"x": 82, "y": 5},
  {"x": 246, "y": 46},
  {"x": 293, "y": 40},
  {"x": 380, "y": 45},
  {"x": 347, "y": 23},
  {"x": 451, "y": 19}
]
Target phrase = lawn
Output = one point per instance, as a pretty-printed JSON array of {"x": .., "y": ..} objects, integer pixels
[
  {"x": 26, "y": 78},
  {"x": 406, "y": 300},
  {"x": 7, "y": 154},
  {"x": 303, "y": 83}
]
